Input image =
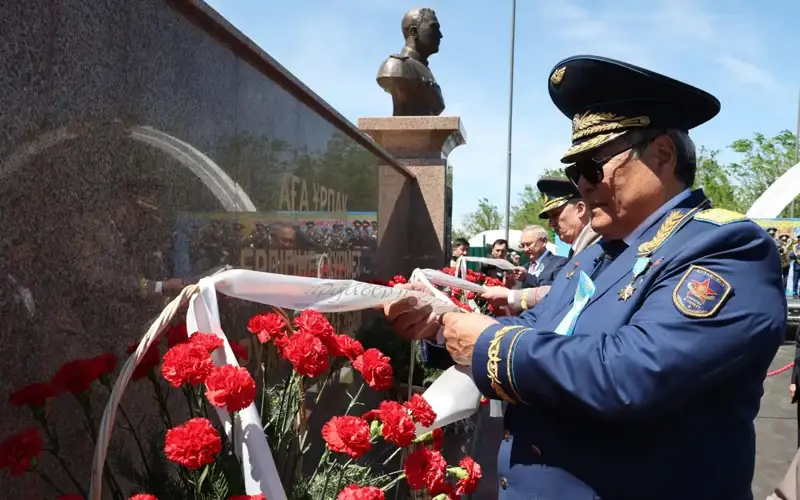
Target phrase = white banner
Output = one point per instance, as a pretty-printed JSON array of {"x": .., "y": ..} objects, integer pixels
[{"x": 453, "y": 396}]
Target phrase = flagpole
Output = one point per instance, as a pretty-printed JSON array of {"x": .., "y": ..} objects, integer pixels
[{"x": 510, "y": 117}]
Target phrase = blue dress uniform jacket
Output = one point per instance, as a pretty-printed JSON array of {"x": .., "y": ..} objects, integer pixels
[{"x": 653, "y": 395}]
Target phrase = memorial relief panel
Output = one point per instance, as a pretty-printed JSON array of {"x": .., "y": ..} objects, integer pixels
[{"x": 139, "y": 153}]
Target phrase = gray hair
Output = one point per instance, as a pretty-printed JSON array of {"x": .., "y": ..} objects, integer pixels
[
  {"x": 539, "y": 232},
  {"x": 685, "y": 154}
]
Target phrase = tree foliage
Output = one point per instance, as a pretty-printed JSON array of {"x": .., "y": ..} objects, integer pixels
[{"x": 486, "y": 217}]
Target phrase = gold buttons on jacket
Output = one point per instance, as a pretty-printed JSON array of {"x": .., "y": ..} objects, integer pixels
[{"x": 503, "y": 483}]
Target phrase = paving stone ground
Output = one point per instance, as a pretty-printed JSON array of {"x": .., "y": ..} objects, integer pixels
[{"x": 776, "y": 428}]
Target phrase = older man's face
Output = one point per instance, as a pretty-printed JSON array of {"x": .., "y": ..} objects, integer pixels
[
  {"x": 631, "y": 189},
  {"x": 566, "y": 221}
]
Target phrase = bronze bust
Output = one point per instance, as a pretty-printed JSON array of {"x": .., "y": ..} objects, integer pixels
[{"x": 406, "y": 75}]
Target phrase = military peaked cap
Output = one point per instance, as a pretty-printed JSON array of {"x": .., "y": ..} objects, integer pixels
[
  {"x": 605, "y": 99},
  {"x": 556, "y": 192}
]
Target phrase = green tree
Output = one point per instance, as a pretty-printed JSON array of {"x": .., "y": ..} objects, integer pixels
[
  {"x": 716, "y": 183},
  {"x": 530, "y": 202},
  {"x": 486, "y": 217},
  {"x": 526, "y": 211},
  {"x": 764, "y": 160}
]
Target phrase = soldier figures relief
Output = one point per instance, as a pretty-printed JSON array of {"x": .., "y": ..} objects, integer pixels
[{"x": 406, "y": 76}]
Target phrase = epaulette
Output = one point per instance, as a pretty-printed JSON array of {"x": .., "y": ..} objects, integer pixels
[
  {"x": 720, "y": 216},
  {"x": 398, "y": 56}
]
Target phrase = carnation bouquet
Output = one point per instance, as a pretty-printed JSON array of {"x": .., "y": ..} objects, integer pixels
[
  {"x": 194, "y": 455},
  {"x": 466, "y": 300}
]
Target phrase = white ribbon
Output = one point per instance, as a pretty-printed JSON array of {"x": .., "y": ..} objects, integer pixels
[
  {"x": 453, "y": 396},
  {"x": 461, "y": 264}
]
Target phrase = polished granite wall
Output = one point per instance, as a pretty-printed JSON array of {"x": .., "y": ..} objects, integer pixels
[{"x": 143, "y": 141}]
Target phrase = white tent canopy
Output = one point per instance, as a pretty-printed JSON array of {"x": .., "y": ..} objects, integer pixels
[{"x": 514, "y": 236}]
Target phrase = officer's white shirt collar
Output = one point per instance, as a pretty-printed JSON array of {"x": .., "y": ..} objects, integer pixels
[{"x": 632, "y": 238}]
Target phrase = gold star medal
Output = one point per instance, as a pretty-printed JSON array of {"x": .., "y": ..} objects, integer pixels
[{"x": 626, "y": 292}]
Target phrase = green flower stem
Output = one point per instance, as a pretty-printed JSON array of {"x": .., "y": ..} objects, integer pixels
[
  {"x": 322, "y": 460},
  {"x": 161, "y": 400},
  {"x": 391, "y": 457},
  {"x": 385, "y": 476},
  {"x": 323, "y": 386},
  {"x": 50, "y": 482},
  {"x": 186, "y": 393},
  {"x": 281, "y": 414},
  {"x": 354, "y": 399},
  {"x": 134, "y": 434},
  {"x": 394, "y": 482},
  {"x": 85, "y": 404},
  {"x": 68, "y": 472}
]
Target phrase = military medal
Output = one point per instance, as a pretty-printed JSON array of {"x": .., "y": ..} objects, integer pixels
[
  {"x": 640, "y": 267},
  {"x": 626, "y": 292},
  {"x": 571, "y": 272}
]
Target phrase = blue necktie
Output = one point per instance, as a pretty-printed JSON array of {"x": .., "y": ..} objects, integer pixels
[{"x": 611, "y": 250}]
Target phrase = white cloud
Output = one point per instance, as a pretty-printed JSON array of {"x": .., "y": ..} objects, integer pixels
[{"x": 749, "y": 74}]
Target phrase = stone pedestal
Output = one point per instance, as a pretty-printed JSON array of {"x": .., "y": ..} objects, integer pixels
[{"x": 412, "y": 214}]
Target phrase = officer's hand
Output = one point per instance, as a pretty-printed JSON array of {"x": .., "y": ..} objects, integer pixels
[
  {"x": 519, "y": 273},
  {"x": 409, "y": 318},
  {"x": 497, "y": 296},
  {"x": 792, "y": 389},
  {"x": 461, "y": 331}
]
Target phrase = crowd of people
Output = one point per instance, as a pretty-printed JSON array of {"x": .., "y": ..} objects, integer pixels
[{"x": 633, "y": 368}]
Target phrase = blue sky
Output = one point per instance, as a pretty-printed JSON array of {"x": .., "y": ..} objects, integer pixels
[{"x": 744, "y": 52}]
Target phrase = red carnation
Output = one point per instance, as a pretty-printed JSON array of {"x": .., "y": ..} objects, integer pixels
[
  {"x": 307, "y": 354},
  {"x": 421, "y": 411},
  {"x": 437, "y": 437},
  {"x": 398, "y": 426},
  {"x": 349, "y": 435},
  {"x": 33, "y": 395},
  {"x": 267, "y": 326},
  {"x": 349, "y": 347},
  {"x": 230, "y": 387},
  {"x": 193, "y": 444},
  {"x": 449, "y": 270},
  {"x": 425, "y": 468},
  {"x": 469, "y": 476},
  {"x": 239, "y": 350},
  {"x": 484, "y": 401},
  {"x": 314, "y": 322},
  {"x": 186, "y": 363},
  {"x": 75, "y": 376},
  {"x": 355, "y": 492},
  {"x": 375, "y": 368},
  {"x": 207, "y": 341},
  {"x": 260, "y": 496},
  {"x": 177, "y": 334},
  {"x": 143, "y": 496},
  {"x": 151, "y": 359},
  {"x": 400, "y": 280},
  {"x": 18, "y": 452}
]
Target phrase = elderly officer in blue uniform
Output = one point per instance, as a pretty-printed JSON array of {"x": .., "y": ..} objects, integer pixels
[{"x": 639, "y": 375}]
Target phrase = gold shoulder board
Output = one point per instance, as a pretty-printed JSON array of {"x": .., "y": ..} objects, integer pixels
[{"x": 720, "y": 216}]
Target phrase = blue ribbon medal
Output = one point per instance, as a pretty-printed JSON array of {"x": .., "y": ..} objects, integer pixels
[{"x": 583, "y": 293}]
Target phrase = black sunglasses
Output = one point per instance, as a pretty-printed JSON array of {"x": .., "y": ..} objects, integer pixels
[{"x": 591, "y": 169}]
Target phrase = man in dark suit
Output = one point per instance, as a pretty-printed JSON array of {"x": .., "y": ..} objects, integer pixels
[
  {"x": 543, "y": 265},
  {"x": 499, "y": 251},
  {"x": 639, "y": 375}
]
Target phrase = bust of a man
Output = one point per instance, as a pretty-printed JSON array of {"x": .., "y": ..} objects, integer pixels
[{"x": 406, "y": 75}]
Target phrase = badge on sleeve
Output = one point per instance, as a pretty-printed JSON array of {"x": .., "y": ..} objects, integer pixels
[{"x": 700, "y": 292}]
